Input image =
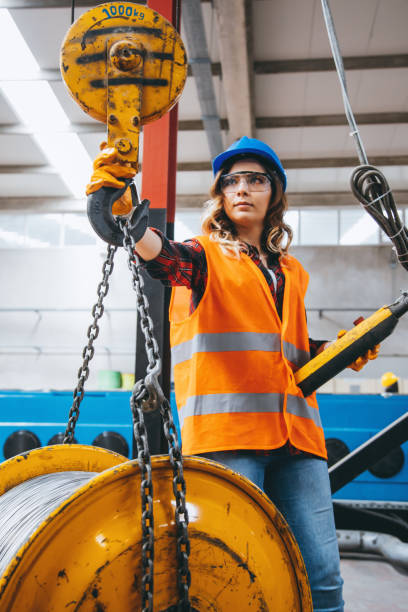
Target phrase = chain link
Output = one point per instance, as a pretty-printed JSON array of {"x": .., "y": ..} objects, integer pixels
[
  {"x": 139, "y": 395},
  {"x": 89, "y": 350},
  {"x": 181, "y": 515},
  {"x": 148, "y": 395}
]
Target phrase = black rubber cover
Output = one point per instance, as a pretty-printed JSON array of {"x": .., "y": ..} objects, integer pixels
[
  {"x": 348, "y": 355},
  {"x": 99, "y": 208}
]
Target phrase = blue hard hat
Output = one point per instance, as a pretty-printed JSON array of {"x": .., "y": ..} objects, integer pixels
[{"x": 254, "y": 147}]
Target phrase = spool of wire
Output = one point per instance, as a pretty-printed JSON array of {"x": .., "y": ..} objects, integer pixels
[{"x": 24, "y": 507}]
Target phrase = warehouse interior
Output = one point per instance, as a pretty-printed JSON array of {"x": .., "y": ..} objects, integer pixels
[
  {"x": 257, "y": 68},
  {"x": 279, "y": 85}
]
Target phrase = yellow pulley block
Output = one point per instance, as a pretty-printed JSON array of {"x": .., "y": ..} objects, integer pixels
[
  {"x": 86, "y": 555},
  {"x": 125, "y": 65}
]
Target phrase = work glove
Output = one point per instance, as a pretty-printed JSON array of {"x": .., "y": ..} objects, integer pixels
[
  {"x": 108, "y": 195},
  {"x": 107, "y": 172},
  {"x": 359, "y": 363}
]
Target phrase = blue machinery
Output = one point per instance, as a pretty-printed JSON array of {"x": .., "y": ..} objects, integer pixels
[{"x": 31, "y": 419}]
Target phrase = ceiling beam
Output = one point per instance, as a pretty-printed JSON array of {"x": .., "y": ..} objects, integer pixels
[
  {"x": 335, "y": 199},
  {"x": 201, "y": 68},
  {"x": 54, "y": 74},
  {"x": 44, "y": 4},
  {"x": 234, "y": 27},
  {"x": 193, "y": 125},
  {"x": 328, "y": 120},
  {"x": 315, "y": 162},
  {"x": 29, "y": 169},
  {"x": 10, "y": 129},
  {"x": 205, "y": 166},
  {"x": 324, "y": 64},
  {"x": 41, "y": 4},
  {"x": 307, "y": 121}
]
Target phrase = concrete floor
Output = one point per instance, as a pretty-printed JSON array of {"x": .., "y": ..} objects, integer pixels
[{"x": 372, "y": 585}]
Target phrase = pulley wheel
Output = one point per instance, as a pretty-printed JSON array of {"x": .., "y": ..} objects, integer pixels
[
  {"x": 145, "y": 35},
  {"x": 87, "y": 555}
]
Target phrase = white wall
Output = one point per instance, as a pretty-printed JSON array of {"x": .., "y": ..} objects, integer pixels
[
  {"x": 354, "y": 277},
  {"x": 58, "y": 279}
]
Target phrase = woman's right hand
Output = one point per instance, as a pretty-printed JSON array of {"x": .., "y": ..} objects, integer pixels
[{"x": 107, "y": 172}]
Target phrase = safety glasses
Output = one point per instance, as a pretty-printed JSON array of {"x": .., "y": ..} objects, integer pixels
[{"x": 254, "y": 181}]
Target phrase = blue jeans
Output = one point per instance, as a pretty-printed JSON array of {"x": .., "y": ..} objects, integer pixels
[{"x": 299, "y": 487}]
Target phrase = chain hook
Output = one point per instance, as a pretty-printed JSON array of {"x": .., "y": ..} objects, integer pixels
[{"x": 104, "y": 222}]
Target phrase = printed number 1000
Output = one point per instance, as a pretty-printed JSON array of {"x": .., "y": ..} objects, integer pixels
[{"x": 121, "y": 9}]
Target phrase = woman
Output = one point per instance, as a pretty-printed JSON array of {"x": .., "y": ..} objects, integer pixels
[{"x": 238, "y": 333}]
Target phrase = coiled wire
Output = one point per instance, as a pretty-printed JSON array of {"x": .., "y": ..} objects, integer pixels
[
  {"x": 26, "y": 506},
  {"x": 371, "y": 188},
  {"x": 368, "y": 184}
]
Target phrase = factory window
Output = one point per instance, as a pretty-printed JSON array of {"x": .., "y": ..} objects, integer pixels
[
  {"x": 318, "y": 227},
  {"x": 357, "y": 227},
  {"x": 78, "y": 231},
  {"x": 43, "y": 231},
  {"x": 39, "y": 231},
  {"x": 12, "y": 231},
  {"x": 311, "y": 227},
  {"x": 292, "y": 219}
]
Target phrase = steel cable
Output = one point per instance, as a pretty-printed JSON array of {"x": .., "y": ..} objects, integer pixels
[
  {"x": 24, "y": 507},
  {"x": 368, "y": 184},
  {"x": 371, "y": 188}
]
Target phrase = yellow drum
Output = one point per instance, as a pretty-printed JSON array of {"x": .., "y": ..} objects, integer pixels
[{"x": 86, "y": 555}]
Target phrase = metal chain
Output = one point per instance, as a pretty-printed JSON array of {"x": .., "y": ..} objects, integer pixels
[
  {"x": 148, "y": 395},
  {"x": 146, "y": 492},
  {"x": 181, "y": 515},
  {"x": 89, "y": 350}
]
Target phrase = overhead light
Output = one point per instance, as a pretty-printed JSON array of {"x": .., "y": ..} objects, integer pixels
[
  {"x": 16, "y": 56},
  {"x": 39, "y": 109},
  {"x": 37, "y": 105}
]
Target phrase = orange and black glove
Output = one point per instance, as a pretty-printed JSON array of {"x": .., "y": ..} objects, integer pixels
[
  {"x": 107, "y": 172},
  {"x": 111, "y": 193},
  {"x": 359, "y": 363}
]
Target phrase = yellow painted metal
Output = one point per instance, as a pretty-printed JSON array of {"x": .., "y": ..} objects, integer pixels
[
  {"x": 342, "y": 343},
  {"x": 125, "y": 65},
  {"x": 58, "y": 458},
  {"x": 123, "y": 111},
  {"x": 87, "y": 555}
]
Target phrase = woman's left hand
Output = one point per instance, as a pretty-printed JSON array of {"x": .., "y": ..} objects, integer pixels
[{"x": 359, "y": 363}]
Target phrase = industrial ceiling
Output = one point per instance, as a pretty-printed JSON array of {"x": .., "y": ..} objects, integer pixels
[{"x": 261, "y": 68}]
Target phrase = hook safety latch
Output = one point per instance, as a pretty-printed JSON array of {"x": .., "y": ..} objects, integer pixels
[{"x": 104, "y": 222}]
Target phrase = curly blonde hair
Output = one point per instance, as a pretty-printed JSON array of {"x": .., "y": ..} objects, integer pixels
[{"x": 276, "y": 236}]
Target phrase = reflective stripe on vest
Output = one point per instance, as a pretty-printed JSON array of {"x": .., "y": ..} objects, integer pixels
[
  {"x": 237, "y": 341},
  {"x": 216, "y": 403}
]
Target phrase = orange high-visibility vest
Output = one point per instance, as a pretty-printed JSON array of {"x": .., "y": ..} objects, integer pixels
[{"x": 234, "y": 360}]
